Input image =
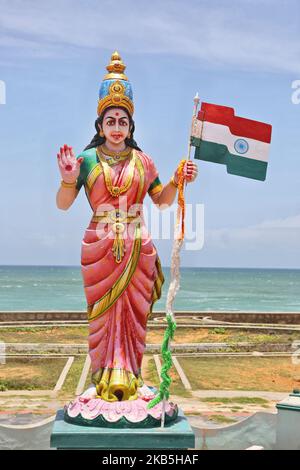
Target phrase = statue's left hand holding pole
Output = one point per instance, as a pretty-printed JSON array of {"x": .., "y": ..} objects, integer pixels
[{"x": 69, "y": 167}]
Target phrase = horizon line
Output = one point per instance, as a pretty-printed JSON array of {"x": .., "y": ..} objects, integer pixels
[{"x": 163, "y": 266}]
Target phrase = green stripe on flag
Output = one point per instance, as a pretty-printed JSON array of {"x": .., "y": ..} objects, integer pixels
[
  {"x": 210, "y": 151},
  {"x": 248, "y": 167},
  {"x": 236, "y": 165}
]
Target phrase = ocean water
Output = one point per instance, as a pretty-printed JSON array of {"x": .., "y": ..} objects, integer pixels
[{"x": 202, "y": 289}]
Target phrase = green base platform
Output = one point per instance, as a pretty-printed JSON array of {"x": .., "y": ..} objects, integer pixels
[{"x": 178, "y": 435}]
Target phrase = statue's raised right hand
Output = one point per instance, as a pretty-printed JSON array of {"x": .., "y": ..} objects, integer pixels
[{"x": 68, "y": 164}]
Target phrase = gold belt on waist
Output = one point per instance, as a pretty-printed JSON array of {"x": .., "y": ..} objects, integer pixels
[{"x": 117, "y": 217}]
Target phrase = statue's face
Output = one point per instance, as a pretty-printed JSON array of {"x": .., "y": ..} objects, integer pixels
[{"x": 115, "y": 125}]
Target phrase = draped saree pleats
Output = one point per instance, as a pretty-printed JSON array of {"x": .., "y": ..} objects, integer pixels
[{"x": 120, "y": 295}]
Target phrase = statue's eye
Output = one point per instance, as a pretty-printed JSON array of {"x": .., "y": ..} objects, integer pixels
[
  {"x": 123, "y": 123},
  {"x": 110, "y": 122}
]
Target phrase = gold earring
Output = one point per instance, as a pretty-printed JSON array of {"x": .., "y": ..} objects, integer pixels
[{"x": 101, "y": 133}]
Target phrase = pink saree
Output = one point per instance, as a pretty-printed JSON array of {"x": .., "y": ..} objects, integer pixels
[{"x": 120, "y": 294}]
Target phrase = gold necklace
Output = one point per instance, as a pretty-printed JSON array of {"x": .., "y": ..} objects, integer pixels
[
  {"x": 115, "y": 157},
  {"x": 117, "y": 190}
]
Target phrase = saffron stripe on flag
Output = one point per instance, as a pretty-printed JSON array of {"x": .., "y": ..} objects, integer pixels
[{"x": 238, "y": 126}]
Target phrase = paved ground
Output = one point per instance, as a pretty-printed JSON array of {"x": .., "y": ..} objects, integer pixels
[
  {"x": 271, "y": 396},
  {"x": 16, "y": 409}
]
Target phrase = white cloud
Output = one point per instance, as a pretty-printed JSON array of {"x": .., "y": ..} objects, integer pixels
[
  {"x": 277, "y": 233},
  {"x": 233, "y": 34},
  {"x": 270, "y": 244},
  {"x": 292, "y": 222}
]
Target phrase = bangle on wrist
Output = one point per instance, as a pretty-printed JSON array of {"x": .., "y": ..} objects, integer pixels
[
  {"x": 172, "y": 180},
  {"x": 64, "y": 184}
]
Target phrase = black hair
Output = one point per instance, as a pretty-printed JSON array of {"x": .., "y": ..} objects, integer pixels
[{"x": 98, "y": 140}]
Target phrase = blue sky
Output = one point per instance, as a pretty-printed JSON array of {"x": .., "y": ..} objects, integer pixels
[{"x": 243, "y": 54}]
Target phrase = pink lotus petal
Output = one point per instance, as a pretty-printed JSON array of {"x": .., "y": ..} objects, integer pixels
[
  {"x": 74, "y": 409},
  {"x": 134, "y": 411}
]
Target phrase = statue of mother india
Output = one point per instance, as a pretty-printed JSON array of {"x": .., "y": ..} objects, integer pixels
[{"x": 121, "y": 268}]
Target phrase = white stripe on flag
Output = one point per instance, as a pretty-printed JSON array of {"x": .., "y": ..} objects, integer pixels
[{"x": 220, "y": 134}]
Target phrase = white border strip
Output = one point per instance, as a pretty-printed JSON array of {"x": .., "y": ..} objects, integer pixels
[
  {"x": 63, "y": 374},
  {"x": 83, "y": 377},
  {"x": 181, "y": 374}
]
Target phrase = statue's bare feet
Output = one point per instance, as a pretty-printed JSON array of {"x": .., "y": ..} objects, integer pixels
[
  {"x": 89, "y": 394},
  {"x": 145, "y": 393}
]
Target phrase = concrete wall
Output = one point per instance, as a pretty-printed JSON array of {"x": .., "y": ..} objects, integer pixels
[{"x": 239, "y": 317}]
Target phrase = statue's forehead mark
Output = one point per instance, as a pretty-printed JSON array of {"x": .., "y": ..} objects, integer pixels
[{"x": 115, "y": 114}]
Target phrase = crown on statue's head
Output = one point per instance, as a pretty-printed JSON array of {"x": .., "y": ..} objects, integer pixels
[{"x": 115, "y": 90}]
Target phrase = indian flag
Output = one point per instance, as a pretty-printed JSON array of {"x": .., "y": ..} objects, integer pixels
[{"x": 241, "y": 144}]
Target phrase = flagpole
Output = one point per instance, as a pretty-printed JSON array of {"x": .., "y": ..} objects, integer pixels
[
  {"x": 196, "y": 104},
  {"x": 175, "y": 259}
]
